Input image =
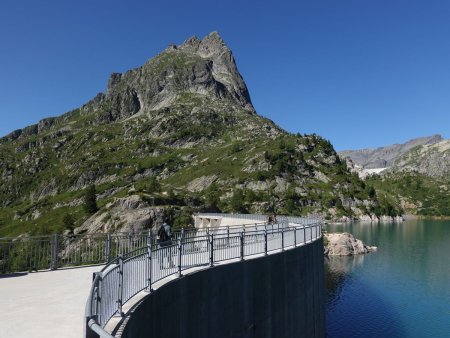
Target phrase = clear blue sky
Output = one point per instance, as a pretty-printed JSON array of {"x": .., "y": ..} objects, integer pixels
[{"x": 360, "y": 73}]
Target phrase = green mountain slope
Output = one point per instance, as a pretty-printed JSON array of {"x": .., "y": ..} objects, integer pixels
[
  {"x": 177, "y": 135},
  {"x": 416, "y": 193}
]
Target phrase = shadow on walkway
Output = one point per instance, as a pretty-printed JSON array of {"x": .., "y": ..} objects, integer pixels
[{"x": 12, "y": 275}]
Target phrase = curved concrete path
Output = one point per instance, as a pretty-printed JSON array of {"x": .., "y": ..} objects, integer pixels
[{"x": 45, "y": 304}]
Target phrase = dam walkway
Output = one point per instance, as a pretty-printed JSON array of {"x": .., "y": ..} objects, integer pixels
[
  {"x": 130, "y": 278},
  {"x": 52, "y": 303}
]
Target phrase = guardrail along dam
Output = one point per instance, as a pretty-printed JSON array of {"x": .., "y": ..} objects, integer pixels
[{"x": 231, "y": 276}]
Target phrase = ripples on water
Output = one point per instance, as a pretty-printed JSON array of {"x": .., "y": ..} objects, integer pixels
[{"x": 402, "y": 290}]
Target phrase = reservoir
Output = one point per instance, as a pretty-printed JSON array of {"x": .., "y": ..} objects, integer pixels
[{"x": 402, "y": 290}]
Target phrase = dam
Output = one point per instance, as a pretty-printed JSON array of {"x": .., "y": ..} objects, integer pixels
[{"x": 231, "y": 276}]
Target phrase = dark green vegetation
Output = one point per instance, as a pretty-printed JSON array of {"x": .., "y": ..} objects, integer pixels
[
  {"x": 90, "y": 201},
  {"x": 167, "y": 139},
  {"x": 419, "y": 194}
]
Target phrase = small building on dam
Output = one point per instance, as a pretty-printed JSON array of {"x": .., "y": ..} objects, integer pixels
[{"x": 232, "y": 276}]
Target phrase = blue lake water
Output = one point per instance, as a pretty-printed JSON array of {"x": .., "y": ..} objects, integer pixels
[{"x": 402, "y": 290}]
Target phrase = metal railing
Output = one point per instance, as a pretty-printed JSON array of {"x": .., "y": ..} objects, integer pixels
[
  {"x": 260, "y": 218},
  {"x": 28, "y": 253},
  {"x": 56, "y": 251},
  {"x": 140, "y": 269}
]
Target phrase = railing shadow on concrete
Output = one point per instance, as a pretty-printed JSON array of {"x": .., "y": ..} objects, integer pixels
[{"x": 138, "y": 270}]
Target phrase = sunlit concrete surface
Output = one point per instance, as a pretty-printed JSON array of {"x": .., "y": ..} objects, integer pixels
[{"x": 44, "y": 304}]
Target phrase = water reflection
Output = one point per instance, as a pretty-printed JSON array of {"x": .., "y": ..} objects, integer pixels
[
  {"x": 402, "y": 290},
  {"x": 353, "y": 308},
  {"x": 337, "y": 270}
]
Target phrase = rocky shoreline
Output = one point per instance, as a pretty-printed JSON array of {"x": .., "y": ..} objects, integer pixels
[{"x": 369, "y": 218}]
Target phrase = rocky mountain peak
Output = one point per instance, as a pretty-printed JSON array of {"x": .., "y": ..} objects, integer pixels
[
  {"x": 210, "y": 45},
  {"x": 200, "y": 69},
  {"x": 203, "y": 67},
  {"x": 192, "y": 43},
  {"x": 434, "y": 139}
]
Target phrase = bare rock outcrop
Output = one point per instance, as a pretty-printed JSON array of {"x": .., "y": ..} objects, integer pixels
[
  {"x": 201, "y": 183},
  {"x": 130, "y": 214},
  {"x": 344, "y": 244}
]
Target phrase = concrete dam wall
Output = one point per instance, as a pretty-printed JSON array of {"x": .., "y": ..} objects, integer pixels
[{"x": 277, "y": 296}]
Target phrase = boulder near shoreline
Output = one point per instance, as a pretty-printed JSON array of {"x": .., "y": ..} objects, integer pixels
[{"x": 344, "y": 244}]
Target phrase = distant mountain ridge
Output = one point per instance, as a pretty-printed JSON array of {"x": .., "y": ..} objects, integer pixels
[
  {"x": 383, "y": 157},
  {"x": 416, "y": 174}
]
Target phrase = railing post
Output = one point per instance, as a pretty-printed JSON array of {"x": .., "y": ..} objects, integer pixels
[
  {"x": 295, "y": 236},
  {"x": 282, "y": 239},
  {"x": 54, "y": 253},
  {"x": 265, "y": 241},
  {"x": 228, "y": 235},
  {"x": 108, "y": 247},
  {"x": 242, "y": 246},
  {"x": 120, "y": 286},
  {"x": 149, "y": 261},
  {"x": 211, "y": 250},
  {"x": 97, "y": 298},
  {"x": 180, "y": 248}
]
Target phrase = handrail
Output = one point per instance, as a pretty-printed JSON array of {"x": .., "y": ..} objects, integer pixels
[
  {"x": 139, "y": 269},
  {"x": 55, "y": 251}
]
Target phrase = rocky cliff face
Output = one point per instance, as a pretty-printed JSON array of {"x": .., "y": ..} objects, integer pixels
[
  {"x": 177, "y": 135},
  {"x": 197, "y": 67},
  {"x": 432, "y": 159},
  {"x": 204, "y": 67}
]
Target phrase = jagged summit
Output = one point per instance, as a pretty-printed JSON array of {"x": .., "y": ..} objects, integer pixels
[
  {"x": 204, "y": 67},
  {"x": 210, "y": 44}
]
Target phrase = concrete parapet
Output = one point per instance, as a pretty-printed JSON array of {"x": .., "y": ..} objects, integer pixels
[{"x": 277, "y": 296}]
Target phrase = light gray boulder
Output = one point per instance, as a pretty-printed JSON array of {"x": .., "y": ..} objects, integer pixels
[{"x": 344, "y": 244}]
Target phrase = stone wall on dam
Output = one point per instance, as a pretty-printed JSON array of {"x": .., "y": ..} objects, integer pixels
[{"x": 277, "y": 296}]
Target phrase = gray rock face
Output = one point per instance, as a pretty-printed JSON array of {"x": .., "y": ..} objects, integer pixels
[
  {"x": 344, "y": 244},
  {"x": 130, "y": 214},
  {"x": 201, "y": 183},
  {"x": 385, "y": 156},
  {"x": 205, "y": 67},
  {"x": 430, "y": 159}
]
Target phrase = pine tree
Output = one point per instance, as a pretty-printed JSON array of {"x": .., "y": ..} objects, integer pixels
[
  {"x": 90, "y": 200},
  {"x": 237, "y": 201},
  {"x": 68, "y": 221}
]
